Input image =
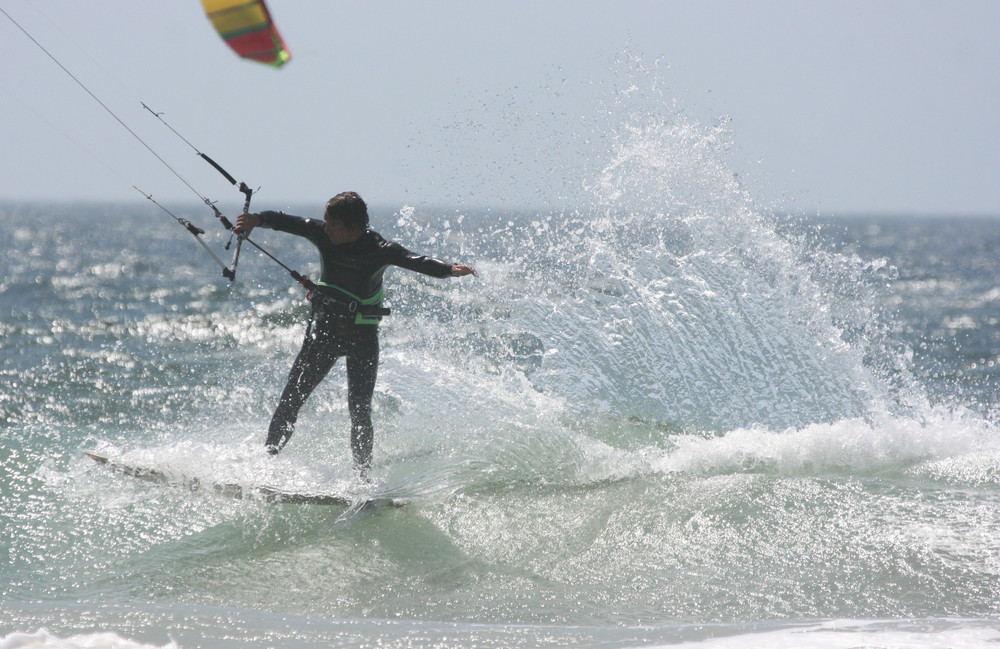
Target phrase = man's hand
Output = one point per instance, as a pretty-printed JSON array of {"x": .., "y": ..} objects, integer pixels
[
  {"x": 461, "y": 270},
  {"x": 245, "y": 223}
]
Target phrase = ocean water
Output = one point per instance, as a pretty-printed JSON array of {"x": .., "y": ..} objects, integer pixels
[{"x": 666, "y": 417}]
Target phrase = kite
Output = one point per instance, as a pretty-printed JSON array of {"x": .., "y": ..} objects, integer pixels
[{"x": 247, "y": 28}]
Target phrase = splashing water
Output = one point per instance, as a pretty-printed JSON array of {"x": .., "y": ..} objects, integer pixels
[{"x": 671, "y": 299}]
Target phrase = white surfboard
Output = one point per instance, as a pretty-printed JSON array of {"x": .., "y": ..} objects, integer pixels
[{"x": 232, "y": 490}]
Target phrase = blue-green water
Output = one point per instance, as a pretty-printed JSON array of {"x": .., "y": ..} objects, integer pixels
[{"x": 664, "y": 418}]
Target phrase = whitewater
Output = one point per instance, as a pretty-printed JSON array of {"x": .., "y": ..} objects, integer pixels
[{"x": 666, "y": 416}]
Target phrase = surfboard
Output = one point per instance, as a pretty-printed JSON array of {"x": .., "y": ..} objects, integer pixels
[{"x": 265, "y": 494}]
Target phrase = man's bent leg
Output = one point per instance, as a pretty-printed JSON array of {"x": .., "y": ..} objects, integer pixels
[
  {"x": 311, "y": 366},
  {"x": 362, "y": 371}
]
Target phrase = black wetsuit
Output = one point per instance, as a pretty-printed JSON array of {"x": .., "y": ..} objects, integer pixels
[{"x": 346, "y": 309}]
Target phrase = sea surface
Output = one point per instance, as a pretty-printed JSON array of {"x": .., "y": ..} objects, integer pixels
[{"x": 667, "y": 417}]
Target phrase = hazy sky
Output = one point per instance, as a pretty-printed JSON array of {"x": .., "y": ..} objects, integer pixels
[{"x": 832, "y": 107}]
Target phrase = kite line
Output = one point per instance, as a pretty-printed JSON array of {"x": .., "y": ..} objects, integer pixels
[{"x": 227, "y": 271}]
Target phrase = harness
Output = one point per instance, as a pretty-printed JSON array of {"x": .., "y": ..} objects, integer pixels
[{"x": 366, "y": 311}]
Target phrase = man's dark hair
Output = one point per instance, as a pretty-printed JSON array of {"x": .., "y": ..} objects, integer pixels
[{"x": 349, "y": 208}]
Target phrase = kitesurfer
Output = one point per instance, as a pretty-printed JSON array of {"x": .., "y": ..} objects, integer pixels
[{"x": 346, "y": 310}]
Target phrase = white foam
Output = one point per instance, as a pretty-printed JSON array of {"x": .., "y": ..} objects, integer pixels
[
  {"x": 886, "y": 442},
  {"x": 844, "y": 634},
  {"x": 42, "y": 639}
]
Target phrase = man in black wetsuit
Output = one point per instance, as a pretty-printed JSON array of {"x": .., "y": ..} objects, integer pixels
[{"x": 346, "y": 310}]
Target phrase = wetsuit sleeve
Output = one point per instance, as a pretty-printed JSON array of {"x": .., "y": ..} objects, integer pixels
[
  {"x": 400, "y": 256},
  {"x": 308, "y": 228},
  {"x": 282, "y": 222}
]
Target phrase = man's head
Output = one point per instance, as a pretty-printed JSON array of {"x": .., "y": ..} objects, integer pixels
[{"x": 346, "y": 217}]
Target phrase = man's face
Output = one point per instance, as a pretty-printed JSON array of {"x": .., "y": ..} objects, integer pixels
[{"x": 340, "y": 233}]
